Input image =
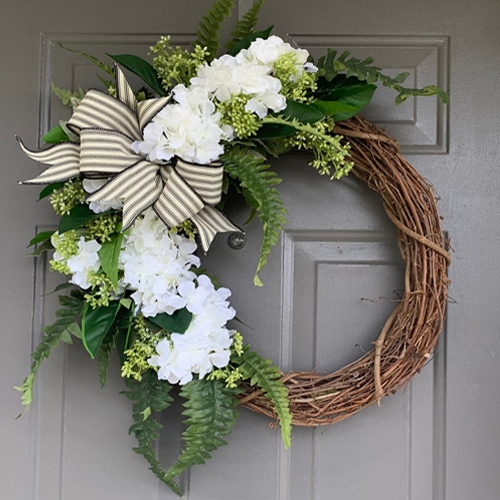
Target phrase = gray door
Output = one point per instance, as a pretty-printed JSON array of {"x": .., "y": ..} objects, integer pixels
[{"x": 319, "y": 307}]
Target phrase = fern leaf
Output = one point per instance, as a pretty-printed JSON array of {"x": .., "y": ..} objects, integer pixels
[
  {"x": 246, "y": 24},
  {"x": 149, "y": 395},
  {"x": 105, "y": 67},
  {"x": 211, "y": 24},
  {"x": 364, "y": 70},
  {"x": 255, "y": 177},
  {"x": 210, "y": 416},
  {"x": 71, "y": 309},
  {"x": 267, "y": 377}
]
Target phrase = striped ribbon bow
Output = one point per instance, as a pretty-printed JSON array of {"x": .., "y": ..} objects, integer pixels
[{"x": 107, "y": 127}]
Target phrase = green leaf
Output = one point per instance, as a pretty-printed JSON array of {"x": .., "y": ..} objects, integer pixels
[
  {"x": 274, "y": 131},
  {"x": 329, "y": 108},
  {"x": 108, "y": 256},
  {"x": 142, "y": 69},
  {"x": 55, "y": 136},
  {"x": 304, "y": 113},
  {"x": 123, "y": 325},
  {"x": 352, "y": 93},
  {"x": 245, "y": 42},
  {"x": 267, "y": 377},
  {"x": 210, "y": 413},
  {"x": 253, "y": 174},
  {"x": 177, "y": 322},
  {"x": 211, "y": 24},
  {"x": 41, "y": 236},
  {"x": 149, "y": 395},
  {"x": 48, "y": 190},
  {"x": 77, "y": 217},
  {"x": 40, "y": 249},
  {"x": 96, "y": 323}
]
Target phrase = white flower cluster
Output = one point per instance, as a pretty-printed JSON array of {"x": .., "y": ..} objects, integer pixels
[
  {"x": 91, "y": 186},
  {"x": 191, "y": 129},
  {"x": 206, "y": 343},
  {"x": 83, "y": 263},
  {"x": 155, "y": 263}
]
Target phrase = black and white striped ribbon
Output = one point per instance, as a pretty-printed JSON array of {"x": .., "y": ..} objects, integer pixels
[{"x": 107, "y": 127}]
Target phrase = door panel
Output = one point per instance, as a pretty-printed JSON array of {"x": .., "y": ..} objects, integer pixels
[{"x": 328, "y": 287}]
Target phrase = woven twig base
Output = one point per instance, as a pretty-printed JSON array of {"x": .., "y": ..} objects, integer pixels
[{"x": 410, "y": 333}]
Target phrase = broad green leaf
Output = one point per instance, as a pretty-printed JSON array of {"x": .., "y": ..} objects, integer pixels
[
  {"x": 109, "y": 254},
  {"x": 48, "y": 190},
  {"x": 96, "y": 324},
  {"x": 304, "y": 113},
  {"x": 330, "y": 108},
  {"x": 245, "y": 42},
  {"x": 358, "y": 101},
  {"x": 142, "y": 69},
  {"x": 41, "y": 248},
  {"x": 55, "y": 136},
  {"x": 42, "y": 236},
  {"x": 275, "y": 131},
  {"x": 77, "y": 217},
  {"x": 177, "y": 322}
]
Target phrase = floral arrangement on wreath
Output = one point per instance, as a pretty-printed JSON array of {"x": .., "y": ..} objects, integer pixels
[{"x": 137, "y": 178}]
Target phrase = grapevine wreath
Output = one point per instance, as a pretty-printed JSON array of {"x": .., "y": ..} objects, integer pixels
[{"x": 140, "y": 177}]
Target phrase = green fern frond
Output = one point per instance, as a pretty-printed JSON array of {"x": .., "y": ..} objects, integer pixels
[
  {"x": 255, "y": 177},
  {"x": 149, "y": 395},
  {"x": 330, "y": 65},
  {"x": 246, "y": 24},
  {"x": 210, "y": 416},
  {"x": 211, "y": 24},
  {"x": 71, "y": 309},
  {"x": 267, "y": 377},
  {"x": 105, "y": 67}
]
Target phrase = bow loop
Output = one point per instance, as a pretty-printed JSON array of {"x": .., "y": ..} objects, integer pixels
[{"x": 107, "y": 128}]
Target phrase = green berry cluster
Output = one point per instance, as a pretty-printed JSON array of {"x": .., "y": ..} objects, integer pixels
[
  {"x": 187, "y": 228},
  {"x": 175, "y": 65},
  {"x": 327, "y": 149},
  {"x": 297, "y": 84},
  {"x": 66, "y": 245},
  {"x": 102, "y": 290},
  {"x": 143, "y": 348},
  {"x": 102, "y": 228},
  {"x": 70, "y": 195},
  {"x": 233, "y": 113}
]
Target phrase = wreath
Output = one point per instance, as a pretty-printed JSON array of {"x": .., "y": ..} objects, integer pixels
[{"x": 140, "y": 178}]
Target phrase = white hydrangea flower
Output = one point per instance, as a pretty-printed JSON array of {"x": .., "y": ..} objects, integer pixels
[
  {"x": 267, "y": 51},
  {"x": 155, "y": 263},
  {"x": 85, "y": 261},
  {"x": 91, "y": 186},
  {"x": 190, "y": 129},
  {"x": 206, "y": 342}
]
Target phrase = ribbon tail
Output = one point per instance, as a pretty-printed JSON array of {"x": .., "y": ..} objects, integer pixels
[
  {"x": 64, "y": 158},
  {"x": 209, "y": 222}
]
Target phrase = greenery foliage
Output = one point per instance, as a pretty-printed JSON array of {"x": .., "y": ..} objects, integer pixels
[{"x": 258, "y": 183}]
